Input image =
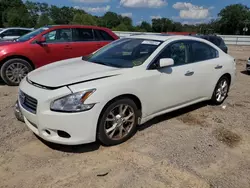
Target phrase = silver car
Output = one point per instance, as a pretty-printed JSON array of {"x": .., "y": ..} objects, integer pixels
[{"x": 7, "y": 34}]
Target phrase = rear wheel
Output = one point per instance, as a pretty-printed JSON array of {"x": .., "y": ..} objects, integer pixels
[
  {"x": 118, "y": 122},
  {"x": 14, "y": 70},
  {"x": 221, "y": 91}
]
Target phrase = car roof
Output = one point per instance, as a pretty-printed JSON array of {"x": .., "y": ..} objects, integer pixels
[
  {"x": 82, "y": 26},
  {"x": 161, "y": 37},
  {"x": 17, "y": 28}
]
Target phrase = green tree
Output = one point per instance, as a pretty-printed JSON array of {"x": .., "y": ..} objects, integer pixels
[
  {"x": 121, "y": 27},
  {"x": 33, "y": 10},
  {"x": 111, "y": 19},
  {"x": 145, "y": 26},
  {"x": 177, "y": 27},
  {"x": 84, "y": 19},
  {"x": 13, "y": 18},
  {"x": 43, "y": 20},
  {"x": 62, "y": 15},
  {"x": 7, "y": 5},
  {"x": 232, "y": 18}
]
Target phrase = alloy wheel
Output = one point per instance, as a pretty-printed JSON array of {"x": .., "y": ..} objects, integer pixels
[
  {"x": 15, "y": 72},
  {"x": 222, "y": 89},
  {"x": 119, "y": 122}
]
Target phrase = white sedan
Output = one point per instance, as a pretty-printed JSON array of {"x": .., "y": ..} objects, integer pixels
[{"x": 106, "y": 95}]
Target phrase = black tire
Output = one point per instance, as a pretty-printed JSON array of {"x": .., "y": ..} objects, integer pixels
[
  {"x": 248, "y": 72},
  {"x": 101, "y": 131},
  {"x": 26, "y": 67},
  {"x": 214, "y": 100}
]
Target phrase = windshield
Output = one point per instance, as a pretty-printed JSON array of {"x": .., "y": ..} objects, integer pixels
[
  {"x": 125, "y": 53},
  {"x": 32, "y": 34}
]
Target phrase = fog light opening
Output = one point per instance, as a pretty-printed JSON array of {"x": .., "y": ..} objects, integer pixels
[
  {"x": 63, "y": 134},
  {"x": 47, "y": 131}
]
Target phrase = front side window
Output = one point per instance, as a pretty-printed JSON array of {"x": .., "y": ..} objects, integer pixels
[
  {"x": 59, "y": 35},
  {"x": 83, "y": 34},
  {"x": 125, "y": 53},
  {"x": 32, "y": 34},
  {"x": 203, "y": 52},
  {"x": 178, "y": 51}
]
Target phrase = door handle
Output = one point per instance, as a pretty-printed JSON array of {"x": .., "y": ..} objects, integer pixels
[
  {"x": 189, "y": 73},
  {"x": 218, "y": 67}
]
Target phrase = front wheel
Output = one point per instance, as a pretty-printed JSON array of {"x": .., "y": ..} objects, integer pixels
[
  {"x": 118, "y": 122},
  {"x": 14, "y": 70},
  {"x": 221, "y": 91}
]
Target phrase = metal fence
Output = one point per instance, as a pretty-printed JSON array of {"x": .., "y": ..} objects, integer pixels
[{"x": 229, "y": 39}]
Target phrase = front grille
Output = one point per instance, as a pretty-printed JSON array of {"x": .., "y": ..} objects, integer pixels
[{"x": 28, "y": 102}]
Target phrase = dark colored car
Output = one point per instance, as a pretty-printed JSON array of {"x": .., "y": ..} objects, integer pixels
[
  {"x": 218, "y": 41},
  {"x": 49, "y": 44}
]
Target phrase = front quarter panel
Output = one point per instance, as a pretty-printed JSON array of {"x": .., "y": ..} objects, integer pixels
[{"x": 135, "y": 83}]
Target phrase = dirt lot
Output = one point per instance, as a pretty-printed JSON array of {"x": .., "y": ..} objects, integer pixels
[{"x": 199, "y": 147}]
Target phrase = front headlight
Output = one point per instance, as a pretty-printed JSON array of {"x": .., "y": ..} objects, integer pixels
[{"x": 73, "y": 102}]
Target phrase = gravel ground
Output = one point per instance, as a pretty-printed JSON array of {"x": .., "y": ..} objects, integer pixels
[{"x": 200, "y": 146}]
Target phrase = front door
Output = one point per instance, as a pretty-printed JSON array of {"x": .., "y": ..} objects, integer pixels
[
  {"x": 57, "y": 47},
  {"x": 175, "y": 85}
]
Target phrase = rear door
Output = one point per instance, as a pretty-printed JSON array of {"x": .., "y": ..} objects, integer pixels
[
  {"x": 84, "y": 42},
  {"x": 209, "y": 66},
  {"x": 102, "y": 37}
]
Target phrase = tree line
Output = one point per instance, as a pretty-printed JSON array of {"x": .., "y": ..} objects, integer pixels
[{"x": 231, "y": 19}]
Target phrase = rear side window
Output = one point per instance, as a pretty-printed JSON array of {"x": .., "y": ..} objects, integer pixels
[
  {"x": 83, "y": 34},
  {"x": 102, "y": 35},
  {"x": 203, "y": 52}
]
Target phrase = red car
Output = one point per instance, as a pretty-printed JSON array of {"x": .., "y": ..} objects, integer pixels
[{"x": 49, "y": 44}]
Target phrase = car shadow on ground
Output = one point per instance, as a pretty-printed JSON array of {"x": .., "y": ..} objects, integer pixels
[
  {"x": 84, "y": 148},
  {"x": 245, "y": 72},
  {"x": 171, "y": 115},
  {"x": 2, "y": 82}
]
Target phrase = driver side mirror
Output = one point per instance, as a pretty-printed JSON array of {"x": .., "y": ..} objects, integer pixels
[
  {"x": 41, "y": 40},
  {"x": 166, "y": 62}
]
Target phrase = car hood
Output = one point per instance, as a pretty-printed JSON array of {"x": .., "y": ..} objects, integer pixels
[
  {"x": 5, "y": 43},
  {"x": 70, "y": 72}
]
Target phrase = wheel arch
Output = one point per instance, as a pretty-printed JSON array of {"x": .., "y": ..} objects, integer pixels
[
  {"x": 228, "y": 76},
  {"x": 129, "y": 96},
  {"x": 19, "y": 57}
]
